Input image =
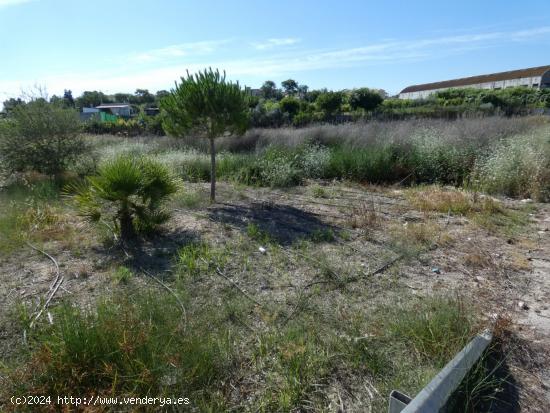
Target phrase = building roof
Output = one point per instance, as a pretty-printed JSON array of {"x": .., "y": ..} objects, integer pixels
[
  {"x": 466, "y": 81},
  {"x": 112, "y": 105}
]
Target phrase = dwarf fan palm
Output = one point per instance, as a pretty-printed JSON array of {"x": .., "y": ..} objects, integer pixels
[{"x": 131, "y": 191}]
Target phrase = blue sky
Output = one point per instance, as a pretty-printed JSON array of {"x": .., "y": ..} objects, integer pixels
[{"x": 118, "y": 46}]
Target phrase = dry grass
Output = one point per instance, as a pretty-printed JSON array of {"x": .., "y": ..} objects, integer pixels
[
  {"x": 478, "y": 260},
  {"x": 451, "y": 200},
  {"x": 360, "y": 135},
  {"x": 365, "y": 217},
  {"x": 519, "y": 262}
]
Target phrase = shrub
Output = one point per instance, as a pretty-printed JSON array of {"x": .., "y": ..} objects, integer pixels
[
  {"x": 282, "y": 167},
  {"x": 518, "y": 166},
  {"x": 313, "y": 160},
  {"x": 40, "y": 136},
  {"x": 434, "y": 159},
  {"x": 365, "y": 98},
  {"x": 303, "y": 118},
  {"x": 290, "y": 105},
  {"x": 376, "y": 165},
  {"x": 135, "y": 187},
  {"x": 277, "y": 169},
  {"x": 329, "y": 102}
]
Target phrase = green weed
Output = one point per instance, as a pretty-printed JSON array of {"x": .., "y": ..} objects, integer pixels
[
  {"x": 122, "y": 275},
  {"x": 127, "y": 346},
  {"x": 196, "y": 259}
]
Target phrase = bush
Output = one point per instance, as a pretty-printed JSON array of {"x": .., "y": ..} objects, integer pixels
[
  {"x": 329, "y": 102},
  {"x": 283, "y": 167},
  {"x": 134, "y": 187},
  {"x": 433, "y": 159},
  {"x": 518, "y": 167},
  {"x": 40, "y": 136},
  {"x": 120, "y": 127},
  {"x": 290, "y": 105},
  {"x": 303, "y": 118},
  {"x": 276, "y": 168},
  {"x": 365, "y": 99},
  {"x": 376, "y": 165}
]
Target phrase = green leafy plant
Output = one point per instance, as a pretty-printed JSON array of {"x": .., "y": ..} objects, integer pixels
[
  {"x": 208, "y": 105},
  {"x": 131, "y": 190},
  {"x": 329, "y": 102},
  {"x": 40, "y": 136},
  {"x": 290, "y": 105},
  {"x": 122, "y": 275},
  {"x": 365, "y": 98}
]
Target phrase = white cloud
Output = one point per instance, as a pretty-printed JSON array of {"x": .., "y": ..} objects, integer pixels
[
  {"x": 275, "y": 42},
  {"x": 260, "y": 67},
  {"x": 6, "y": 3},
  {"x": 177, "y": 51}
]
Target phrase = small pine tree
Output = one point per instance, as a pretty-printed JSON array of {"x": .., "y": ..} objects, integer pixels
[{"x": 208, "y": 105}]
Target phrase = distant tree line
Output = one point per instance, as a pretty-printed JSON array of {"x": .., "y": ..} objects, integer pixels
[
  {"x": 295, "y": 104},
  {"x": 91, "y": 99}
]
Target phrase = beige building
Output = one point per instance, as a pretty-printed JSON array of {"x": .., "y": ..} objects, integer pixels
[{"x": 535, "y": 77}]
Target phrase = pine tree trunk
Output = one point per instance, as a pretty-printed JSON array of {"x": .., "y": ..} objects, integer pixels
[{"x": 212, "y": 171}]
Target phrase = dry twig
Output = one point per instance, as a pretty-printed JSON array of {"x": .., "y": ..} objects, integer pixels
[
  {"x": 54, "y": 286},
  {"x": 243, "y": 292}
]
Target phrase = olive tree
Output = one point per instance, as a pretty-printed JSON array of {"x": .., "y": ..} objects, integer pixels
[{"x": 208, "y": 105}]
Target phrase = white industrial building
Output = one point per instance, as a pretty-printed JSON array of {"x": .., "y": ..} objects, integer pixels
[{"x": 535, "y": 77}]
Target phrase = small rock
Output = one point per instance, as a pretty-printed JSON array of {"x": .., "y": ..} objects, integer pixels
[
  {"x": 262, "y": 250},
  {"x": 493, "y": 316},
  {"x": 522, "y": 305},
  {"x": 169, "y": 380},
  {"x": 480, "y": 279},
  {"x": 436, "y": 270},
  {"x": 526, "y": 201}
]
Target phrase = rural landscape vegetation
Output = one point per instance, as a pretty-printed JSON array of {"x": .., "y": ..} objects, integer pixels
[{"x": 297, "y": 250}]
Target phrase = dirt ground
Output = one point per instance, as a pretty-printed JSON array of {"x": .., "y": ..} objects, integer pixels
[{"x": 507, "y": 274}]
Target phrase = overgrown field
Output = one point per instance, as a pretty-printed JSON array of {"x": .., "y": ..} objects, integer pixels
[
  {"x": 339, "y": 263},
  {"x": 495, "y": 155}
]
